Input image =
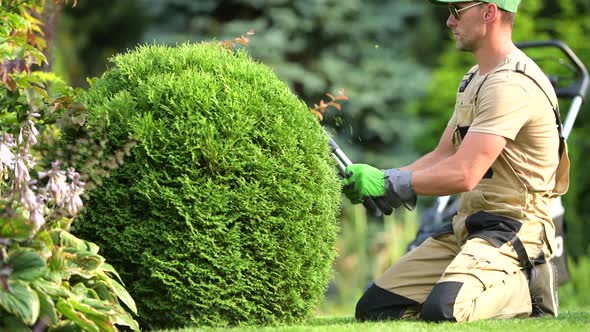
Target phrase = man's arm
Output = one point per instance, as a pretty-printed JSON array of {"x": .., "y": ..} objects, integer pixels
[
  {"x": 443, "y": 150},
  {"x": 438, "y": 173},
  {"x": 461, "y": 171}
]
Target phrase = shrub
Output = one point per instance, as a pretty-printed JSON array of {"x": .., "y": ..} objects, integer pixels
[{"x": 225, "y": 212}]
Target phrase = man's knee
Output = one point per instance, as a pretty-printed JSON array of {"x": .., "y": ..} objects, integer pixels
[
  {"x": 440, "y": 303},
  {"x": 380, "y": 304}
]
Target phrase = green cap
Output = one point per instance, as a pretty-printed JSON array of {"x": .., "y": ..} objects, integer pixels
[{"x": 508, "y": 5}]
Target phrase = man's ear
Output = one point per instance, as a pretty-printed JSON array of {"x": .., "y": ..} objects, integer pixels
[{"x": 491, "y": 12}]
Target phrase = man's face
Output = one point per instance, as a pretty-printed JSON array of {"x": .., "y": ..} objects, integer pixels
[{"x": 466, "y": 29}]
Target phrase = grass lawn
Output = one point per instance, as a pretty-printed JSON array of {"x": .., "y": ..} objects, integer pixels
[{"x": 569, "y": 320}]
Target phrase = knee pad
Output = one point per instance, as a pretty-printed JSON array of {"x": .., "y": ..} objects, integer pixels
[
  {"x": 440, "y": 303},
  {"x": 380, "y": 304}
]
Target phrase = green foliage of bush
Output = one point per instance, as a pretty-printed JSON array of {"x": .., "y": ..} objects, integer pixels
[{"x": 225, "y": 212}]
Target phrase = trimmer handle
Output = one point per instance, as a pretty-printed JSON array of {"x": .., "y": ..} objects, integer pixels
[{"x": 377, "y": 206}]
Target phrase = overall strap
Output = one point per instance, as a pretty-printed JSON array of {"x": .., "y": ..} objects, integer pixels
[
  {"x": 467, "y": 78},
  {"x": 521, "y": 69}
]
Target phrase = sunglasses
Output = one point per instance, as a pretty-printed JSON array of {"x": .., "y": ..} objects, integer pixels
[{"x": 455, "y": 12}]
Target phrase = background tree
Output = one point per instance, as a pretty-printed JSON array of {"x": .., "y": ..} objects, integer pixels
[
  {"x": 377, "y": 50},
  {"x": 94, "y": 31}
]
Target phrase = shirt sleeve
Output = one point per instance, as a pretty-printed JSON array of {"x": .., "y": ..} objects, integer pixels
[
  {"x": 453, "y": 120},
  {"x": 502, "y": 107}
]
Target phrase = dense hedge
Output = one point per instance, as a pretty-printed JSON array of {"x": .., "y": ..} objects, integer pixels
[{"x": 226, "y": 211}]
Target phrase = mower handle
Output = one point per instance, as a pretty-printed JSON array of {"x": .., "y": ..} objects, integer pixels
[{"x": 577, "y": 89}]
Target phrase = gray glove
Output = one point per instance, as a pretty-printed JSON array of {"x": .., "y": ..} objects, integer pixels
[{"x": 398, "y": 188}]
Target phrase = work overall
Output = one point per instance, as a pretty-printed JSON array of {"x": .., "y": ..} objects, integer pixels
[{"x": 480, "y": 265}]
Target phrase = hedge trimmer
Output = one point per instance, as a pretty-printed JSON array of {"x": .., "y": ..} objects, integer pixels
[{"x": 377, "y": 206}]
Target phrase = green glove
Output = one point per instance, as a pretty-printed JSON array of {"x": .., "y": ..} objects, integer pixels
[
  {"x": 394, "y": 185},
  {"x": 362, "y": 181}
]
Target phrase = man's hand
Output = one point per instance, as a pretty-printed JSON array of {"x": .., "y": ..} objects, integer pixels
[
  {"x": 361, "y": 180},
  {"x": 393, "y": 185}
]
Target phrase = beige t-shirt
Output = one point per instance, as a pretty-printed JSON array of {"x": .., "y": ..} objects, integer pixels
[{"x": 512, "y": 105}]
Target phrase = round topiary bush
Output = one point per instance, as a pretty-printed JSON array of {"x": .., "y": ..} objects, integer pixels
[{"x": 226, "y": 211}]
